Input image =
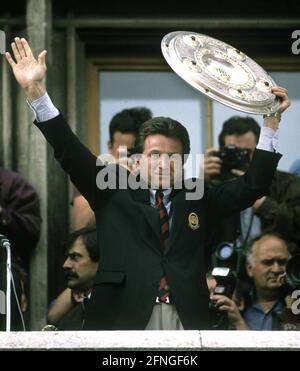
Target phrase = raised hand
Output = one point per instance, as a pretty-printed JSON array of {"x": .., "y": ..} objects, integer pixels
[
  {"x": 282, "y": 94},
  {"x": 29, "y": 72},
  {"x": 273, "y": 120},
  {"x": 212, "y": 163}
]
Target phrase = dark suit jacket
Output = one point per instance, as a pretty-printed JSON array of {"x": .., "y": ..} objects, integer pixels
[
  {"x": 131, "y": 260},
  {"x": 20, "y": 218},
  {"x": 279, "y": 213}
]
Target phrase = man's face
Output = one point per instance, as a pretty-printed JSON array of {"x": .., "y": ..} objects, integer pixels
[
  {"x": 120, "y": 139},
  {"x": 271, "y": 256},
  {"x": 247, "y": 140},
  {"x": 156, "y": 164},
  {"x": 78, "y": 267}
]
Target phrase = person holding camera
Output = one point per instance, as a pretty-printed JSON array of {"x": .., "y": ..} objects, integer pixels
[
  {"x": 225, "y": 312},
  {"x": 270, "y": 285},
  {"x": 266, "y": 261},
  {"x": 273, "y": 302},
  {"x": 279, "y": 211}
]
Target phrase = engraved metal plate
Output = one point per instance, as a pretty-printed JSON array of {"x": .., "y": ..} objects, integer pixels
[{"x": 220, "y": 71}]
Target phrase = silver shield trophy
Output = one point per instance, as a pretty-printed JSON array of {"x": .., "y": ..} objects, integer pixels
[{"x": 220, "y": 71}]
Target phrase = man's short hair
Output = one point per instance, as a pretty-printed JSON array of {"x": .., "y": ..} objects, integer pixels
[
  {"x": 164, "y": 126},
  {"x": 89, "y": 239},
  {"x": 250, "y": 247},
  {"x": 128, "y": 121},
  {"x": 238, "y": 125}
]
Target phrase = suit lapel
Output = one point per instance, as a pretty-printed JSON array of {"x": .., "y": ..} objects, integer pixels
[
  {"x": 142, "y": 197},
  {"x": 178, "y": 214}
]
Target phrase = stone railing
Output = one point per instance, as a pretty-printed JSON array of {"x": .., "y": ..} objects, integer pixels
[{"x": 151, "y": 340}]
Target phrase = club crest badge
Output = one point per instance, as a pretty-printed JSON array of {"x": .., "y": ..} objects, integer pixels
[{"x": 193, "y": 221}]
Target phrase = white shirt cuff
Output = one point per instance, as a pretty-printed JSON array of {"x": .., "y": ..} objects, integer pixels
[
  {"x": 268, "y": 139},
  {"x": 43, "y": 109}
]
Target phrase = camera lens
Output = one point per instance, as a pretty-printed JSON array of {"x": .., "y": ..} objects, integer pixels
[
  {"x": 225, "y": 251},
  {"x": 233, "y": 158},
  {"x": 225, "y": 255},
  {"x": 293, "y": 271}
]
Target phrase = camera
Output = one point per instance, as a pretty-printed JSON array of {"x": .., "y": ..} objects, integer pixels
[
  {"x": 225, "y": 285},
  {"x": 230, "y": 255},
  {"x": 292, "y": 276},
  {"x": 225, "y": 255},
  {"x": 233, "y": 158},
  {"x": 228, "y": 261},
  {"x": 225, "y": 279},
  {"x": 293, "y": 272}
]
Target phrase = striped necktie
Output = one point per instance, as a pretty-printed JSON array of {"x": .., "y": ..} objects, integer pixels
[
  {"x": 163, "y": 291},
  {"x": 163, "y": 216}
]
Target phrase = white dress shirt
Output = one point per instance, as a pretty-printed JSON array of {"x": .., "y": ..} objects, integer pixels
[{"x": 44, "y": 110}]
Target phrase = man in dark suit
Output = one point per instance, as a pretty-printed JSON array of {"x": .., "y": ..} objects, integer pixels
[{"x": 152, "y": 271}]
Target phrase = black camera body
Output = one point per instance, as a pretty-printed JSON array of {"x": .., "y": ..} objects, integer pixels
[
  {"x": 230, "y": 255},
  {"x": 225, "y": 285},
  {"x": 292, "y": 278},
  {"x": 293, "y": 272},
  {"x": 225, "y": 255},
  {"x": 233, "y": 158},
  {"x": 226, "y": 281}
]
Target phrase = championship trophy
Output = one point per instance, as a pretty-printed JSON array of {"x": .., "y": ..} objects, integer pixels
[{"x": 220, "y": 71}]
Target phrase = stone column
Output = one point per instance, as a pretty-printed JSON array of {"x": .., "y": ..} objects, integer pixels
[
  {"x": 39, "y": 28},
  {"x": 6, "y": 108}
]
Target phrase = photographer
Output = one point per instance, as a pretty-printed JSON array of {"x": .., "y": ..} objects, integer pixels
[
  {"x": 265, "y": 302},
  {"x": 267, "y": 258},
  {"x": 279, "y": 211}
]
